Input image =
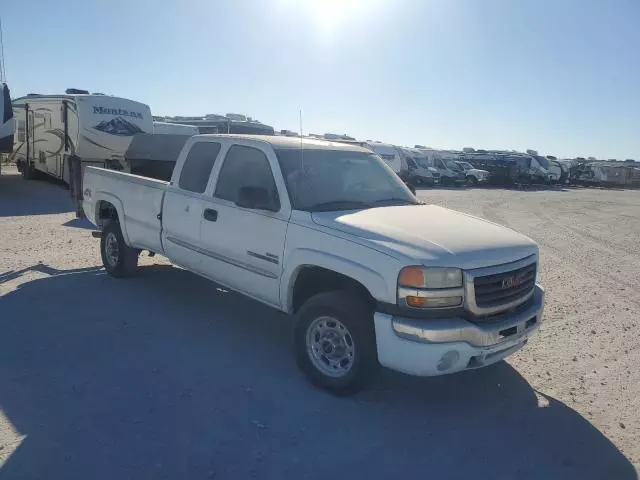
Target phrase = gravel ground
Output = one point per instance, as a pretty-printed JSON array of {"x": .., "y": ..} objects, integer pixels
[{"x": 167, "y": 375}]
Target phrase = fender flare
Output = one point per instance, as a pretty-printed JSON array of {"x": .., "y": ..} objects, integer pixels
[
  {"x": 115, "y": 201},
  {"x": 301, "y": 258}
]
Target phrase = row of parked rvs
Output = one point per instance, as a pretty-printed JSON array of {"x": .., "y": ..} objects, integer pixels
[{"x": 49, "y": 132}]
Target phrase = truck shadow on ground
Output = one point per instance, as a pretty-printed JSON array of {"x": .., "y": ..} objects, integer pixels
[
  {"x": 31, "y": 197},
  {"x": 167, "y": 375}
]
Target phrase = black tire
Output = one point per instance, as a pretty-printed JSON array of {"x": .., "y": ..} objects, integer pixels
[
  {"x": 122, "y": 263},
  {"x": 28, "y": 172},
  {"x": 357, "y": 317},
  {"x": 472, "y": 181}
]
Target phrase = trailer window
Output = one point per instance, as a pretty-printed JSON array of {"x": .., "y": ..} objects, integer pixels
[{"x": 197, "y": 166}]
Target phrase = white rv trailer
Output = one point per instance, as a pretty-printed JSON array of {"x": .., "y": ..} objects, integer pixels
[{"x": 94, "y": 128}]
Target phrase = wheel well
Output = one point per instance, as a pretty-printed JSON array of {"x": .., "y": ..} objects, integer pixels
[
  {"x": 106, "y": 212},
  {"x": 313, "y": 280}
]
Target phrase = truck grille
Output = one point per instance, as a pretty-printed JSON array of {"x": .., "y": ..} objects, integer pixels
[{"x": 505, "y": 287}]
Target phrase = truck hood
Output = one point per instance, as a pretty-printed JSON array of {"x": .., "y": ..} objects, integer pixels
[{"x": 431, "y": 235}]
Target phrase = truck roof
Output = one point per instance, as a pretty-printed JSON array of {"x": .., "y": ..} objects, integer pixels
[{"x": 283, "y": 142}]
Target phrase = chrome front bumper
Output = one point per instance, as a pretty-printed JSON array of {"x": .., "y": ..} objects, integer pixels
[
  {"x": 439, "y": 346},
  {"x": 485, "y": 333}
]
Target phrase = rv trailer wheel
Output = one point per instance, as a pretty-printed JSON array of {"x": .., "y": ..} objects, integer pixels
[{"x": 28, "y": 172}]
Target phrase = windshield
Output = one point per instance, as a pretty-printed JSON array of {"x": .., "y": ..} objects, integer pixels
[
  {"x": 340, "y": 180},
  {"x": 424, "y": 162},
  {"x": 465, "y": 165},
  {"x": 421, "y": 161},
  {"x": 453, "y": 165},
  {"x": 544, "y": 163}
]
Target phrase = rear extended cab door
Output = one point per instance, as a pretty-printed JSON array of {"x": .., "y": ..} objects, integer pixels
[{"x": 184, "y": 202}]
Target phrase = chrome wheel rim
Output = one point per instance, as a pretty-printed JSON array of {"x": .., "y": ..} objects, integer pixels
[
  {"x": 111, "y": 249},
  {"x": 330, "y": 346}
]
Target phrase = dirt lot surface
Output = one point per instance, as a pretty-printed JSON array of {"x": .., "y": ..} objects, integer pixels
[{"x": 167, "y": 375}]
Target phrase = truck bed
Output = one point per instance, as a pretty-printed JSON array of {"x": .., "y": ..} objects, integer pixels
[{"x": 137, "y": 200}]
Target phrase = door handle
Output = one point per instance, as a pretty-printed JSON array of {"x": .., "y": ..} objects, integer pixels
[{"x": 210, "y": 214}]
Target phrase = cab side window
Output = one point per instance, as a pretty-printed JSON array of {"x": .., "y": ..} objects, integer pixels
[
  {"x": 197, "y": 166},
  {"x": 244, "y": 167}
]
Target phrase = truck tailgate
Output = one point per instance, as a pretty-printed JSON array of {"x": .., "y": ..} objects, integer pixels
[{"x": 138, "y": 201}]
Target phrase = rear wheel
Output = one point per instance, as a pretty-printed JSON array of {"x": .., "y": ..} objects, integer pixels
[
  {"x": 335, "y": 342},
  {"x": 118, "y": 258}
]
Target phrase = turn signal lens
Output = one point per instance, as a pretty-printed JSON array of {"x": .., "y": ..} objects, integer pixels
[
  {"x": 411, "y": 277},
  {"x": 416, "y": 301},
  {"x": 432, "y": 302}
]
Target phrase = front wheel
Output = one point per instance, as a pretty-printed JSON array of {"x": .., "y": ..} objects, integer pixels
[
  {"x": 471, "y": 180},
  {"x": 335, "y": 342},
  {"x": 118, "y": 258}
]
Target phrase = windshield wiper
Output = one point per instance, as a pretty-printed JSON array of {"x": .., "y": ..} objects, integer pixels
[{"x": 334, "y": 205}]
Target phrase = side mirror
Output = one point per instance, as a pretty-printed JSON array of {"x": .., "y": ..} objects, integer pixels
[{"x": 256, "y": 198}]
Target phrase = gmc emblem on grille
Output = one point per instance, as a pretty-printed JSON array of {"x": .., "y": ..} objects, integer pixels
[{"x": 514, "y": 281}]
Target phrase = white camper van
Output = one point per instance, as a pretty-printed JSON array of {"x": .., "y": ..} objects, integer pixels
[
  {"x": 391, "y": 156},
  {"x": 444, "y": 161},
  {"x": 94, "y": 128}
]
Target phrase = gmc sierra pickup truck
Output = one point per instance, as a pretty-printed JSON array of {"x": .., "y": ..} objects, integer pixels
[{"x": 327, "y": 233}]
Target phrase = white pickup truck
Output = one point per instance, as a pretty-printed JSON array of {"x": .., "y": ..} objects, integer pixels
[{"x": 327, "y": 232}]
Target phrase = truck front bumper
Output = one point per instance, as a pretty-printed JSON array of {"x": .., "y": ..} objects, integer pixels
[{"x": 427, "y": 347}]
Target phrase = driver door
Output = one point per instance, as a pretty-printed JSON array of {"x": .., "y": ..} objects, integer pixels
[{"x": 246, "y": 245}]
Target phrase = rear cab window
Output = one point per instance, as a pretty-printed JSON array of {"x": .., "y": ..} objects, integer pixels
[{"x": 197, "y": 167}]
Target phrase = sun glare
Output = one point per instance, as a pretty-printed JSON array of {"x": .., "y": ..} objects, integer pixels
[{"x": 328, "y": 15}]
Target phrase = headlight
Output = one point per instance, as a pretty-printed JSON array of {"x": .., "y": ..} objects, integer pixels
[
  {"x": 421, "y": 277},
  {"x": 422, "y": 287}
]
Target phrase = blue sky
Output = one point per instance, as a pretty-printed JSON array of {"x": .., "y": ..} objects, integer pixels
[{"x": 559, "y": 76}]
